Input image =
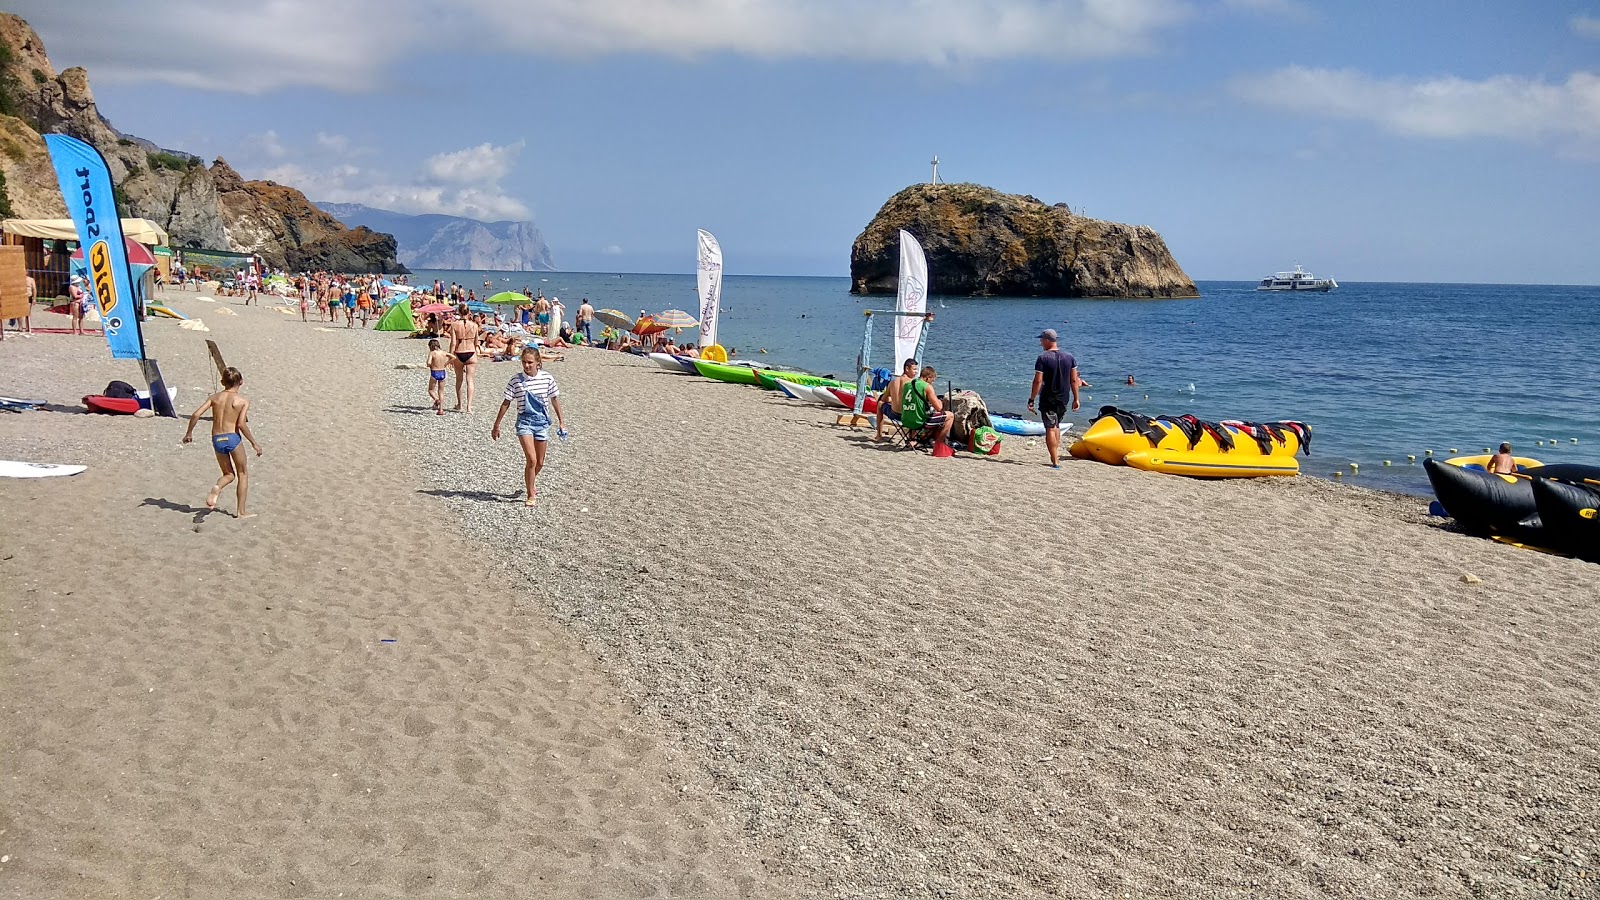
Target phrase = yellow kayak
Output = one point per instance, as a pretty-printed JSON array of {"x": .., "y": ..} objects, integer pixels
[{"x": 1200, "y": 464}]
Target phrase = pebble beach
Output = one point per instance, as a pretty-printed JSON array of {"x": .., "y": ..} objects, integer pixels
[{"x": 739, "y": 651}]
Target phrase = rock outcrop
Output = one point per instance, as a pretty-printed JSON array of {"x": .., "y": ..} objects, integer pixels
[
  {"x": 280, "y": 225},
  {"x": 453, "y": 242},
  {"x": 175, "y": 190},
  {"x": 985, "y": 243}
]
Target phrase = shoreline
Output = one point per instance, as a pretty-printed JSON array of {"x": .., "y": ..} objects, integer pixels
[{"x": 862, "y": 672}]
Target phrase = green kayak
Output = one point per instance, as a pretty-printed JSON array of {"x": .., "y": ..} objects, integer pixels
[
  {"x": 769, "y": 380},
  {"x": 730, "y": 374}
]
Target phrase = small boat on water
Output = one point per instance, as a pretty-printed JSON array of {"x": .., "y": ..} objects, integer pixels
[{"x": 1298, "y": 280}]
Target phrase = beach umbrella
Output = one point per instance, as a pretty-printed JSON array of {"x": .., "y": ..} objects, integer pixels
[
  {"x": 508, "y": 297},
  {"x": 478, "y": 306},
  {"x": 614, "y": 318},
  {"x": 676, "y": 318},
  {"x": 435, "y": 308},
  {"x": 648, "y": 325},
  {"x": 138, "y": 254}
]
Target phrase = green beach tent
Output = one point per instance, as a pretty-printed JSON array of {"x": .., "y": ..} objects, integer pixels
[{"x": 398, "y": 318}]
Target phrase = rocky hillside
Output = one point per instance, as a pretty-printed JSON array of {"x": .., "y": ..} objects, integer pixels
[
  {"x": 981, "y": 242},
  {"x": 452, "y": 242},
  {"x": 175, "y": 190}
]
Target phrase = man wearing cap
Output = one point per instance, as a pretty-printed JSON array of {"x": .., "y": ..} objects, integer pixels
[{"x": 1055, "y": 374}]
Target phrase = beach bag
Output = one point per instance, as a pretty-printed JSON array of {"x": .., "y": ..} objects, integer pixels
[
  {"x": 120, "y": 390},
  {"x": 985, "y": 441}
]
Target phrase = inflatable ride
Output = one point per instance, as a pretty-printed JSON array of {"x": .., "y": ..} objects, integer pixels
[
  {"x": 1185, "y": 445},
  {"x": 1551, "y": 507}
]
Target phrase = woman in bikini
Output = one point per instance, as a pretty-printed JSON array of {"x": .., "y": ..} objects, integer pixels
[{"x": 464, "y": 347}]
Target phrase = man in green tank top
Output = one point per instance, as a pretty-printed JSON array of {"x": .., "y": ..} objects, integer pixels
[{"x": 921, "y": 412}]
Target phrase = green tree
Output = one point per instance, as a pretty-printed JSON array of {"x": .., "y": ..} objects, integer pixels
[
  {"x": 5, "y": 199},
  {"x": 10, "y": 88}
]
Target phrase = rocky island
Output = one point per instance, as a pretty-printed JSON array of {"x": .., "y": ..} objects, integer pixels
[
  {"x": 200, "y": 206},
  {"x": 981, "y": 242}
]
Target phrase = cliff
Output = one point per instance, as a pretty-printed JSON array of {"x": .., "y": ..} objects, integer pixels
[
  {"x": 281, "y": 225},
  {"x": 981, "y": 242},
  {"x": 452, "y": 242},
  {"x": 175, "y": 190}
]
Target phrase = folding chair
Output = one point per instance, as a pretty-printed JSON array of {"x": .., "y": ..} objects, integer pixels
[{"x": 897, "y": 431}]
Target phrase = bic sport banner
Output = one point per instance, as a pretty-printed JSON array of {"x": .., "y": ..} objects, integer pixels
[{"x": 86, "y": 187}]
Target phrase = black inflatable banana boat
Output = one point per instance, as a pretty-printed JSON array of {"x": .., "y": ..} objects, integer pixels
[
  {"x": 1547, "y": 506},
  {"x": 1569, "y": 516}
]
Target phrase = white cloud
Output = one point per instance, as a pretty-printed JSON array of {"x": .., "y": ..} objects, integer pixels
[
  {"x": 1292, "y": 8},
  {"x": 270, "y": 144},
  {"x": 484, "y": 163},
  {"x": 350, "y": 44},
  {"x": 336, "y": 143},
  {"x": 611, "y": 250},
  {"x": 237, "y": 47},
  {"x": 462, "y": 183},
  {"x": 1504, "y": 106},
  {"x": 1585, "y": 26},
  {"x": 906, "y": 31}
]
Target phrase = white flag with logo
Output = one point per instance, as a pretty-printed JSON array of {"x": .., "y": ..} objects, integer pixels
[
  {"x": 709, "y": 276},
  {"x": 913, "y": 298}
]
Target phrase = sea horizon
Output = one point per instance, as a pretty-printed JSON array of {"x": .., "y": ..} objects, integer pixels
[{"x": 1198, "y": 281}]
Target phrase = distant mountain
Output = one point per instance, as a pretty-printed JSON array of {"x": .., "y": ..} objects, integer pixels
[{"x": 451, "y": 242}]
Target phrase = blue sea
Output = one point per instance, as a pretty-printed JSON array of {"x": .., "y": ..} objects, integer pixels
[{"x": 1383, "y": 372}]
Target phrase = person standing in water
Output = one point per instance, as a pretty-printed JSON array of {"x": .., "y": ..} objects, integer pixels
[
  {"x": 229, "y": 423},
  {"x": 1055, "y": 375},
  {"x": 533, "y": 392}
]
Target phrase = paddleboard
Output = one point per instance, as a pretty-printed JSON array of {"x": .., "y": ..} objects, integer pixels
[
  {"x": 1020, "y": 427},
  {"x": 797, "y": 392},
  {"x": 10, "y": 468}
]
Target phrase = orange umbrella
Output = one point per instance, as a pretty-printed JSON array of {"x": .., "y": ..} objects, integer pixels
[{"x": 647, "y": 325}]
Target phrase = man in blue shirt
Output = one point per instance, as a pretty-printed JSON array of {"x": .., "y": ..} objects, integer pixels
[{"x": 1055, "y": 375}]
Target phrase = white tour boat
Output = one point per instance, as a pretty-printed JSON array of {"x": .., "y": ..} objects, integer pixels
[{"x": 1298, "y": 280}]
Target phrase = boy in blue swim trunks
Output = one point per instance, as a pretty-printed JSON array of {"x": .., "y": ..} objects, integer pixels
[
  {"x": 534, "y": 393},
  {"x": 229, "y": 413},
  {"x": 438, "y": 365}
]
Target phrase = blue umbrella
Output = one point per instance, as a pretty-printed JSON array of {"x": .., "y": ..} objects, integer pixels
[{"x": 479, "y": 306}]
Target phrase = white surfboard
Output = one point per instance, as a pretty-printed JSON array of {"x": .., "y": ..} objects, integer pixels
[{"x": 10, "y": 468}]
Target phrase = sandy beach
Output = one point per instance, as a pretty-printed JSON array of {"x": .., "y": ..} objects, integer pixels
[{"x": 737, "y": 651}]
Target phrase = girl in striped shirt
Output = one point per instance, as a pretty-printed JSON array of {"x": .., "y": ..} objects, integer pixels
[{"x": 533, "y": 392}]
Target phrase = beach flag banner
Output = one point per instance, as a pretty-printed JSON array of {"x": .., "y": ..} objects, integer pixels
[
  {"x": 86, "y": 187},
  {"x": 709, "y": 277},
  {"x": 912, "y": 297}
]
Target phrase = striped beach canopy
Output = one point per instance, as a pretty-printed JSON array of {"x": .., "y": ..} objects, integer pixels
[{"x": 675, "y": 318}]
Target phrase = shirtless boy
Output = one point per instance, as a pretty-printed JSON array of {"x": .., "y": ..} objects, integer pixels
[
  {"x": 229, "y": 411},
  {"x": 438, "y": 365},
  {"x": 1503, "y": 463}
]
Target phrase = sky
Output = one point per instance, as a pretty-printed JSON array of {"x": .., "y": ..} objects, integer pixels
[{"x": 1432, "y": 140}]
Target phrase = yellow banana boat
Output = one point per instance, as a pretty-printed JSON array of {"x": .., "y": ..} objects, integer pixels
[
  {"x": 1185, "y": 445},
  {"x": 1117, "y": 433},
  {"x": 1198, "y": 464}
]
